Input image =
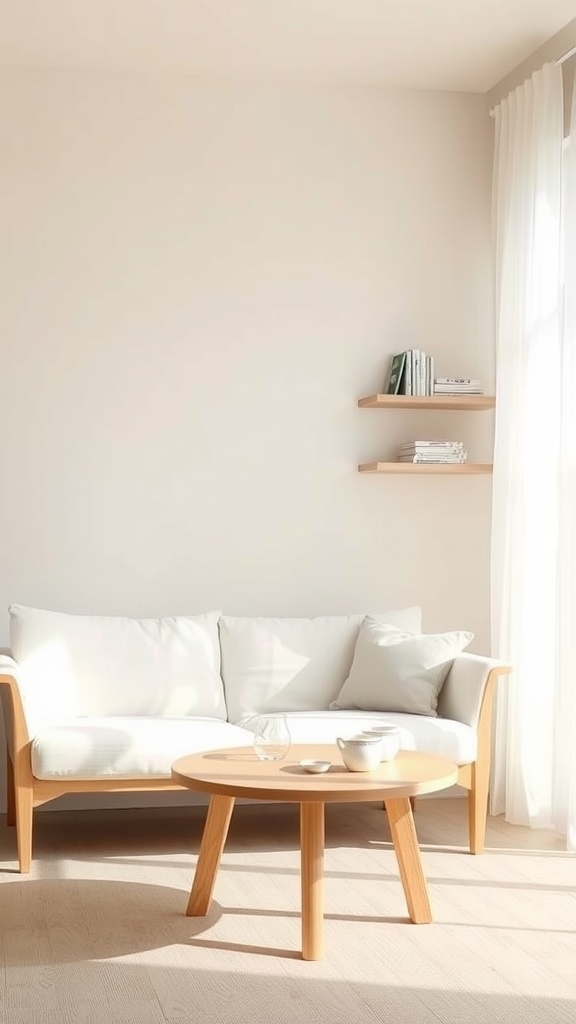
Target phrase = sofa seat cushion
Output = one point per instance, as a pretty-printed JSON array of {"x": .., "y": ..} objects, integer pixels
[
  {"x": 441, "y": 736},
  {"x": 73, "y": 665},
  {"x": 126, "y": 748},
  {"x": 295, "y": 664}
]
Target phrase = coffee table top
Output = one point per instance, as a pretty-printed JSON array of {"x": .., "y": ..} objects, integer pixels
[{"x": 236, "y": 771}]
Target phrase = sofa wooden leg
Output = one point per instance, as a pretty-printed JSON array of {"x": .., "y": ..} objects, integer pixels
[
  {"x": 24, "y": 798},
  {"x": 478, "y": 806},
  {"x": 10, "y": 800}
]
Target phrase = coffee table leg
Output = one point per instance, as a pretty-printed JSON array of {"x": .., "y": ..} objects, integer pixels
[
  {"x": 213, "y": 839},
  {"x": 409, "y": 861},
  {"x": 312, "y": 872}
]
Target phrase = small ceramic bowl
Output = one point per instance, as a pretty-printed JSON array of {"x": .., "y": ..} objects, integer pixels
[{"x": 315, "y": 767}]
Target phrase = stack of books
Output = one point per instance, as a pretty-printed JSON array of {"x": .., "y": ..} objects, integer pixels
[
  {"x": 457, "y": 386},
  {"x": 432, "y": 451},
  {"x": 411, "y": 373}
]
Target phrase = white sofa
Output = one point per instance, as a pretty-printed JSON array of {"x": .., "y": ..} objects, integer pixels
[{"x": 96, "y": 704}]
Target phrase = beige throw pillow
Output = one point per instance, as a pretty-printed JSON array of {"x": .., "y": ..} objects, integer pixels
[{"x": 397, "y": 671}]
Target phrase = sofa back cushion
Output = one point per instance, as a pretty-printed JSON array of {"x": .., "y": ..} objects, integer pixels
[
  {"x": 77, "y": 665},
  {"x": 285, "y": 664}
]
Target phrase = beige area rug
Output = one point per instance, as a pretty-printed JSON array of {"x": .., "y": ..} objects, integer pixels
[{"x": 97, "y": 933}]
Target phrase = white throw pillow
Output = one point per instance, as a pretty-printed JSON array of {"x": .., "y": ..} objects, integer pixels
[
  {"x": 397, "y": 671},
  {"x": 292, "y": 664},
  {"x": 77, "y": 665}
]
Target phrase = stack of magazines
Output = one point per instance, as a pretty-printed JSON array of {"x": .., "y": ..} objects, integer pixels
[
  {"x": 457, "y": 386},
  {"x": 432, "y": 451}
]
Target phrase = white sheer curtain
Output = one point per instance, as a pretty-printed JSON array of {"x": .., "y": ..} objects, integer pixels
[{"x": 534, "y": 493}]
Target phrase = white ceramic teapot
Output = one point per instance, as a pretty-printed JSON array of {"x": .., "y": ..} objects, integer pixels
[{"x": 361, "y": 753}]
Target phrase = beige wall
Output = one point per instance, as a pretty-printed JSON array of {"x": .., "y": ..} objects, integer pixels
[{"x": 199, "y": 281}]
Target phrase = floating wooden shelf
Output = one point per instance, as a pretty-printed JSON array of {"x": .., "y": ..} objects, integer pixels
[
  {"x": 466, "y": 468},
  {"x": 466, "y": 402}
]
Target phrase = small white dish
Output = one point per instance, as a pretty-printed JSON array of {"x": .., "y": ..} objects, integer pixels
[{"x": 315, "y": 767}]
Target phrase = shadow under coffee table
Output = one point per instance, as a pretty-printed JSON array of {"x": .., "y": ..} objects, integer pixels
[{"x": 237, "y": 772}]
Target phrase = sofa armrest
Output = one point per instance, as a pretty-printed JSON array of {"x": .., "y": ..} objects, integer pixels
[
  {"x": 17, "y": 735},
  {"x": 469, "y": 683}
]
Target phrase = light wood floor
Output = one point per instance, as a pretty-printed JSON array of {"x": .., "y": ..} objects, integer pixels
[{"x": 97, "y": 933}]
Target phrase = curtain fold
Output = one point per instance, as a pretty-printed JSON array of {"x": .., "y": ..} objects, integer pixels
[
  {"x": 534, "y": 485},
  {"x": 564, "y": 762}
]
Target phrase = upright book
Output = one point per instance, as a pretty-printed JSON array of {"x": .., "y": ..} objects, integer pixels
[{"x": 395, "y": 375}]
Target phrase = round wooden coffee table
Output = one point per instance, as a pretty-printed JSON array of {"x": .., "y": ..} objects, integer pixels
[{"x": 237, "y": 772}]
